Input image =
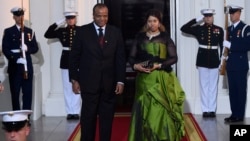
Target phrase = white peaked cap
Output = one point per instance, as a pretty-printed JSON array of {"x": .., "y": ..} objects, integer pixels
[
  {"x": 15, "y": 9},
  {"x": 70, "y": 13},
  {"x": 14, "y": 116},
  {"x": 207, "y": 11},
  {"x": 234, "y": 7}
]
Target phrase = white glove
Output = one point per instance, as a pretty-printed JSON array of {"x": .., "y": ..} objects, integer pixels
[
  {"x": 21, "y": 61},
  {"x": 199, "y": 19},
  {"x": 219, "y": 67},
  {"x": 223, "y": 57},
  {"x": 61, "y": 22},
  {"x": 24, "y": 47},
  {"x": 227, "y": 44}
]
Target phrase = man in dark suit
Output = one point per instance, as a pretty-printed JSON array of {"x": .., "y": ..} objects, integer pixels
[
  {"x": 237, "y": 66},
  {"x": 97, "y": 70},
  {"x": 13, "y": 49},
  {"x": 66, "y": 34}
]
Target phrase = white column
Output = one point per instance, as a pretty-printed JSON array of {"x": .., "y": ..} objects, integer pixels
[
  {"x": 5, "y": 97},
  {"x": 187, "y": 48},
  {"x": 246, "y": 10},
  {"x": 85, "y": 11},
  {"x": 70, "y": 5},
  {"x": 223, "y": 105},
  {"x": 54, "y": 103}
]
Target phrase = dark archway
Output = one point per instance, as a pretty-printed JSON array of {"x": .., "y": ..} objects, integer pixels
[{"x": 129, "y": 16}]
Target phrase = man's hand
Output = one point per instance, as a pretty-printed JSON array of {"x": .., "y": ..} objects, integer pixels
[
  {"x": 227, "y": 44},
  {"x": 21, "y": 61},
  {"x": 119, "y": 88},
  {"x": 199, "y": 19},
  {"x": 76, "y": 87},
  {"x": 61, "y": 22},
  {"x": 1, "y": 87},
  {"x": 223, "y": 57},
  {"x": 24, "y": 47}
]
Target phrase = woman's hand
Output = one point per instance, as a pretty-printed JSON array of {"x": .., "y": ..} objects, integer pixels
[
  {"x": 156, "y": 66},
  {"x": 140, "y": 68}
]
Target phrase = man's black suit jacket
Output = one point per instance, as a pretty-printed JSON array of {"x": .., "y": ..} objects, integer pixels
[{"x": 95, "y": 67}]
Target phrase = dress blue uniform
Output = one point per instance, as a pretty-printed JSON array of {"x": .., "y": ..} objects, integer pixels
[
  {"x": 237, "y": 66},
  {"x": 66, "y": 35},
  {"x": 210, "y": 38},
  {"x": 11, "y": 48}
]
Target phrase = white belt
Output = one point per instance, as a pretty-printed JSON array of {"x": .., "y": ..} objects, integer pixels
[
  {"x": 66, "y": 48},
  {"x": 16, "y": 50},
  {"x": 208, "y": 47}
]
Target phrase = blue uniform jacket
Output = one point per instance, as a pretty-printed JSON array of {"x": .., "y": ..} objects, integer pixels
[
  {"x": 240, "y": 45},
  {"x": 12, "y": 41}
]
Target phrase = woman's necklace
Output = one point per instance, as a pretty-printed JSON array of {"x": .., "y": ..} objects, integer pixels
[{"x": 151, "y": 35}]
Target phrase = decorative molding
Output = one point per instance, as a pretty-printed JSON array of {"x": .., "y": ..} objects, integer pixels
[{"x": 71, "y": 5}]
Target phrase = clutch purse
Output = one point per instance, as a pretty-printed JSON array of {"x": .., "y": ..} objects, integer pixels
[{"x": 147, "y": 64}]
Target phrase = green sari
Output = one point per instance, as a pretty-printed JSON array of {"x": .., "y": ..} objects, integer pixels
[{"x": 158, "y": 107}]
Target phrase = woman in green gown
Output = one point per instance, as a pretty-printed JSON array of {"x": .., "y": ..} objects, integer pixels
[{"x": 158, "y": 106}]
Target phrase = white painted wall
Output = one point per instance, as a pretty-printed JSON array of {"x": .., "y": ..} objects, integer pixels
[
  {"x": 187, "y": 50},
  {"x": 48, "y": 85},
  {"x": 41, "y": 14}
]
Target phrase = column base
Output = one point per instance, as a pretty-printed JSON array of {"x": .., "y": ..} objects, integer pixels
[{"x": 54, "y": 105}]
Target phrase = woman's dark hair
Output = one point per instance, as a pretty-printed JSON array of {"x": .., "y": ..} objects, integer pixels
[{"x": 155, "y": 13}]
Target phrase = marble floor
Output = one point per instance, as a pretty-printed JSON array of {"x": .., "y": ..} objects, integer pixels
[{"x": 59, "y": 129}]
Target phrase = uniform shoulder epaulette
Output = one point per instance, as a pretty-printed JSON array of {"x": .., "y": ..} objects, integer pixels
[{"x": 243, "y": 30}]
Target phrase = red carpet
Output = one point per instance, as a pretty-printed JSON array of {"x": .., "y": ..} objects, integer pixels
[
  {"x": 121, "y": 127},
  {"x": 192, "y": 129}
]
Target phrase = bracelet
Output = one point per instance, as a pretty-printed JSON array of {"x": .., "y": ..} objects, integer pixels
[
  {"x": 160, "y": 66},
  {"x": 73, "y": 81},
  {"x": 134, "y": 67}
]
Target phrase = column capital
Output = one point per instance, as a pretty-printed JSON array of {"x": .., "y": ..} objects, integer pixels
[{"x": 70, "y": 5}]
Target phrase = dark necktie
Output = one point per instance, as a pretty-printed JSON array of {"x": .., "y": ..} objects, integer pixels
[
  {"x": 101, "y": 38},
  {"x": 232, "y": 28}
]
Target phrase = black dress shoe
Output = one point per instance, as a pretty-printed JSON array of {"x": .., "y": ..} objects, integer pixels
[
  {"x": 227, "y": 119},
  {"x": 69, "y": 117},
  {"x": 76, "y": 116},
  {"x": 233, "y": 119},
  {"x": 205, "y": 114},
  {"x": 73, "y": 117},
  {"x": 211, "y": 114}
]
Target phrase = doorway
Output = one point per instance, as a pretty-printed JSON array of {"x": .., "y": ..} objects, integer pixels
[{"x": 129, "y": 16}]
